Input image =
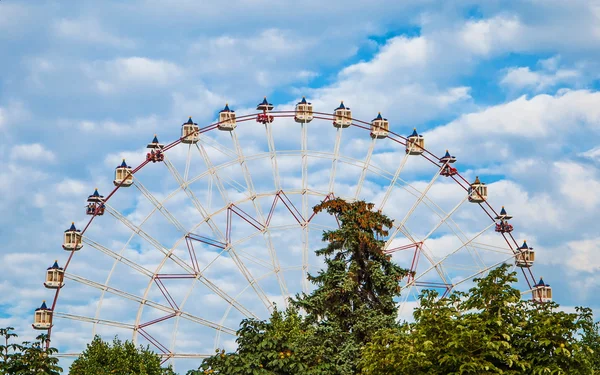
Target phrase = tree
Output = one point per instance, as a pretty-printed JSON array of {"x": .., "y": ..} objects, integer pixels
[
  {"x": 354, "y": 297},
  {"x": 103, "y": 358},
  {"x": 488, "y": 330},
  {"x": 28, "y": 357}
]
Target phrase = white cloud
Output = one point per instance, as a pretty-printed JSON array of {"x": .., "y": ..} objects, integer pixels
[
  {"x": 487, "y": 36},
  {"x": 593, "y": 154},
  {"x": 32, "y": 152},
  {"x": 550, "y": 75},
  {"x": 122, "y": 74},
  {"x": 89, "y": 30}
]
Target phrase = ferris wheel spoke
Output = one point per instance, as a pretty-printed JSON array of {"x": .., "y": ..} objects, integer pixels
[
  {"x": 155, "y": 305},
  {"x": 261, "y": 218},
  {"x": 305, "y": 228},
  {"x": 188, "y": 161},
  {"x": 214, "y": 175},
  {"x": 443, "y": 220},
  {"x": 118, "y": 257},
  {"x": 392, "y": 184},
  {"x": 271, "y": 144},
  {"x": 336, "y": 154},
  {"x": 439, "y": 262},
  {"x": 365, "y": 167},
  {"x": 482, "y": 271},
  {"x": 86, "y": 319},
  {"x": 148, "y": 238},
  {"x": 159, "y": 206}
]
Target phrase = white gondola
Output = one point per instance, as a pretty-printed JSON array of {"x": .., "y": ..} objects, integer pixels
[
  {"x": 379, "y": 127},
  {"x": 72, "y": 239},
  {"x": 55, "y": 277},
  {"x": 226, "y": 119},
  {"x": 525, "y": 256},
  {"x": 123, "y": 176},
  {"x": 190, "y": 132},
  {"x": 42, "y": 318},
  {"x": 304, "y": 111},
  {"x": 541, "y": 292},
  {"x": 415, "y": 143},
  {"x": 342, "y": 116},
  {"x": 477, "y": 191}
]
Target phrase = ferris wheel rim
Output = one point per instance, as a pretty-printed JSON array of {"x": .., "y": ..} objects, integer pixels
[{"x": 460, "y": 180}]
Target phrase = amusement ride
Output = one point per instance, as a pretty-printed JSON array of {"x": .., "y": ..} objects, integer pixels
[{"x": 235, "y": 234}]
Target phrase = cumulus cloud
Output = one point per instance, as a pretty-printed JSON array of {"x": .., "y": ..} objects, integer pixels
[
  {"x": 32, "y": 152},
  {"x": 550, "y": 75},
  {"x": 89, "y": 31},
  {"x": 132, "y": 72}
]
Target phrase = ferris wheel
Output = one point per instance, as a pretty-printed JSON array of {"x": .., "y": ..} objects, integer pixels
[{"x": 218, "y": 226}]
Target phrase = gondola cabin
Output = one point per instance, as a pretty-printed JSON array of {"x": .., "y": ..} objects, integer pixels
[
  {"x": 541, "y": 292},
  {"x": 304, "y": 111},
  {"x": 123, "y": 175},
  {"x": 95, "y": 204},
  {"x": 156, "y": 152},
  {"x": 415, "y": 143},
  {"x": 55, "y": 276},
  {"x": 42, "y": 319},
  {"x": 190, "y": 132},
  {"x": 264, "y": 106},
  {"x": 379, "y": 127},
  {"x": 342, "y": 116},
  {"x": 72, "y": 239},
  {"x": 446, "y": 169},
  {"x": 503, "y": 226},
  {"x": 226, "y": 119},
  {"x": 477, "y": 191},
  {"x": 525, "y": 256}
]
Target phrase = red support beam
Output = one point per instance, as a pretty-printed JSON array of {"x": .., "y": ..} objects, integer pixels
[
  {"x": 281, "y": 196},
  {"x": 166, "y": 294},
  {"x": 154, "y": 341},
  {"x": 143, "y": 325}
]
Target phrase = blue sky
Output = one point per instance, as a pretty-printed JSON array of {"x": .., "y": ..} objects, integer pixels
[{"x": 511, "y": 90}]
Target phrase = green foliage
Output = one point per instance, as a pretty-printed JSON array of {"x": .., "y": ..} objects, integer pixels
[
  {"x": 102, "y": 358},
  {"x": 487, "y": 330},
  {"x": 354, "y": 297},
  {"x": 28, "y": 357}
]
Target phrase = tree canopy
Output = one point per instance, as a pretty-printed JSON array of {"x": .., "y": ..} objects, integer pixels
[
  {"x": 103, "y": 358},
  {"x": 28, "y": 357},
  {"x": 349, "y": 322}
]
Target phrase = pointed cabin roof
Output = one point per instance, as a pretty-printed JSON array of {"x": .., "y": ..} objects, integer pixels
[
  {"x": 541, "y": 283},
  {"x": 123, "y": 164},
  {"x": 476, "y": 182},
  {"x": 96, "y": 194},
  {"x": 189, "y": 122},
  {"x": 342, "y": 106},
  {"x": 503, "y": 211},
  {"x": 43, "y": 307},
  {"x": 378, "y": 117},
  {"x": 414, "y": 133},
  {"x": 72, "y": 228},
  {"x": 55, "y": 266},
  {"x": 447, "y": 155},
  {"x": 226, "y": 109},
  {"x": 155, "y": 140},
  {"x": 524, "y": 246},
  {"x": 303, "y": 101}
]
